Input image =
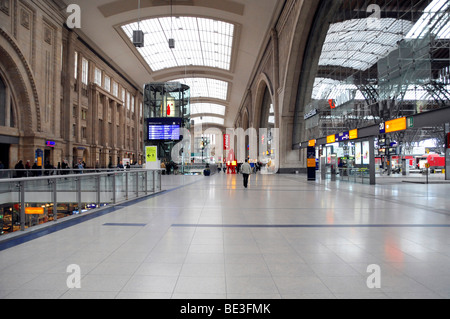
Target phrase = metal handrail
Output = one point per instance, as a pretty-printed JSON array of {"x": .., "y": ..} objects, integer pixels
[{"x": 122, "y": 185}]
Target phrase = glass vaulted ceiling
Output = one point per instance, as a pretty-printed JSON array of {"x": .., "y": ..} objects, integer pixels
[
  {"x": 198, "y": 42},
  {"x": 207, "y": 108},
  {"x": 359, "y": 43},
  {"x": 206, "y": 87}
]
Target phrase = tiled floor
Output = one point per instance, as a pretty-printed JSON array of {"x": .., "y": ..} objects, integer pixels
[{"x": 283, "y": 237}]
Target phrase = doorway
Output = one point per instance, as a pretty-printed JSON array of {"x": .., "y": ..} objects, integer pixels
[{"x": 4, "y": 155}]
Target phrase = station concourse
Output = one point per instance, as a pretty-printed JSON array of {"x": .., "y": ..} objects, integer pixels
[
  {"x": 282, "y": 237},
  {"x": 124, "y": 124}
]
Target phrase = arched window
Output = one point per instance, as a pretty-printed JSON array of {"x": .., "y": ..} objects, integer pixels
[
  {"x": 267, "y": 111},
  {"x": 2, "y": 103},
  {"x": 6, "y": 106}
]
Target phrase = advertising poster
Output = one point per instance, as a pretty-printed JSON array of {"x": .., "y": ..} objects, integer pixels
[
  {"x": 358, "y": 153},
  {"x": 365, "y": 153}
]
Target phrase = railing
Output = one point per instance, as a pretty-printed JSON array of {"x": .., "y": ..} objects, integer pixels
[
  {"x": 29, "y": 201},
  {"x": 354, "y": 174},
  {"x": 191, "y": 169}
]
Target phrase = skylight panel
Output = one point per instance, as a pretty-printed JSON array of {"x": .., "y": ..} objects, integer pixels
[
  {"x": 358, "y": 43},
  {"x": 198, "y": 42},
  {"x": 208, "y": 120},
  {"x": 434, "y": 16},
  {"x": 207, "y": 108},
  {"x": 206, "y": 87}
]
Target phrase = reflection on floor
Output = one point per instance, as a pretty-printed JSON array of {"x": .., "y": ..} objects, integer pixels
[{"x": 283, "y": 237}]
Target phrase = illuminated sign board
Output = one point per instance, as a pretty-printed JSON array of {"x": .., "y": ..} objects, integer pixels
[
  {"x": 342, "y": 137},
  {"x": 353, "y": 134},
  {"x": 50, "y": 143},
  {"x": 331, "y": 139},
  {"x": 332, "y": 104},
  {"x": 164, "y": 128},
  {"x": 312, "y": 143},
  {"x": 310, "y": 114},
  {"x": 226, "y": 142},
  {"x": 34, "y": 210},
  {"x": 151, "y": 154},
  {"x": 393, "y": 125},
  {"x": 311, "y": 162}
]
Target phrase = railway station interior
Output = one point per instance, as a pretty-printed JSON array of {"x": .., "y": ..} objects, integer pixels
[{"x": 127, "y": 128}]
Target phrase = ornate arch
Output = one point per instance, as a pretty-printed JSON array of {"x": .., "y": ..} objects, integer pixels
[
  {"x": 23, "y": 86},
  {"x": 263, "y": 82}
]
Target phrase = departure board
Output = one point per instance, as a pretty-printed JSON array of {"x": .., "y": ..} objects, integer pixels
[
  {"x": 163, "y": 129},
  {"x": 163, "y": 132}
]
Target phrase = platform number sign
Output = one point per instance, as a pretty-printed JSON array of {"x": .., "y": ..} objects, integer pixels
[{"x": 382, "y": 128}]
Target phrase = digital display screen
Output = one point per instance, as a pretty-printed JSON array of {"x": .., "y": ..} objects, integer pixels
[{"x": 164, "y": 128}]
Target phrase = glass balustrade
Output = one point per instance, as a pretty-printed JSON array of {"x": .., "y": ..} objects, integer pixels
[{"x": 50, "y": 196}]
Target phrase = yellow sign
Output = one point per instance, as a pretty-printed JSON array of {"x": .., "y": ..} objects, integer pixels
[
  {"x": 311, "y": 162},
  {"x": 34, "y": 210},
  {"x": 150, "y": 154},
  {"x": 395, "y": 125},
  {"x": 331, "y": 139},
  {"x": 353, "y": 134},
  {"x": 312, "y": 143}
]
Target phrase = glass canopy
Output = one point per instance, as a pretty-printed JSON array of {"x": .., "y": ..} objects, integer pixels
[
  {"x": 434, "y": 20},
  {"x": 359, "y": 43},
  {"x": 198, "y": 42}
]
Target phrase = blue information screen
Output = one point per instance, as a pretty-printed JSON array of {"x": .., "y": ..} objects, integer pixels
[{"x": 164, "y": 129}]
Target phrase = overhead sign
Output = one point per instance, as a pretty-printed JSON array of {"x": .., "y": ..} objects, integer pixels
[
  {"x": 332, "y": 103},
  {"x": 50, "y": 143},
  {"x": 331, "y": 139},
  {"x": 342, "y": 137},
  {"x": 410, "y": 122},
  {"x": 353, "y": 134},
  {"x": 396, "y": 125},
  {"x": 310, "y": 114},
  {"x": 393, "y": 125},
  {"x": 312, "y": 143}
]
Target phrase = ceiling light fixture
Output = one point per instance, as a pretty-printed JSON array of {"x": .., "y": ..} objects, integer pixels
[
  {"x": 138, "y": 35},
  {"x": 171, "y": 40}
]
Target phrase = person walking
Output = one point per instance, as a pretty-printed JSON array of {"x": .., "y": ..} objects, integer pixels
[{"x": 246, "y": 170}]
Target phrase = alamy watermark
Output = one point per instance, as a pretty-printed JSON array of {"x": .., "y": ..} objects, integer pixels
[
  {"x": 260, "y": 145},
  {"x": 74, "y": 19},
  {"x": 374, "y": 279},
  {"x": 74, "y": 279}
]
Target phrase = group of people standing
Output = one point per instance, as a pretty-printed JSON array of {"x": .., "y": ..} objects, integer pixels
[{"x": 28, "y": 170}]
